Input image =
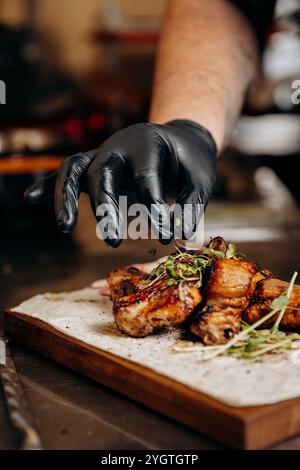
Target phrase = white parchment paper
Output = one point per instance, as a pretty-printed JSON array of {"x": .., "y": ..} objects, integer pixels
[{"x": 87, "y": 315}]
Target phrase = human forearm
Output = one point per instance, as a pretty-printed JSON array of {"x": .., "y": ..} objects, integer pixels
[{"x": 206, "y": 61}]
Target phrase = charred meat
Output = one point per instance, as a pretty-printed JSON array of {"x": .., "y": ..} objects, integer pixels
[
  {"x": 266, "y": 291},
  {"x": 228, "y": 291},
  {"x": 124, "y": 281},
  {"x": 141, "y": 308},
  {"x": 210, "y": 291}
]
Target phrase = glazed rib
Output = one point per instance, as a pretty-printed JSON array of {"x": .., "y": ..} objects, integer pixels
[
  {"x": 213, "y": 300},
  {"x": 229, "y": 288},
  {"x": 140, "y": 310},
  {"x": 218, "y": 243},
  {"x": 266, "y": 291},
  {"x": 124, "y": 281}
]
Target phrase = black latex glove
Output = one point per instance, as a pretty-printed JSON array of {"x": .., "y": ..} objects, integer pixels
[{"x": 147, "y": 156}]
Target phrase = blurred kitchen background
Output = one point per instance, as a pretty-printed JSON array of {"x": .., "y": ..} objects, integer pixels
[{"x": 77, "y": 71}]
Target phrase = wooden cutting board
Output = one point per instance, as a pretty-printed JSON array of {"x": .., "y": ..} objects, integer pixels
[{"x": 244, "y": 428}]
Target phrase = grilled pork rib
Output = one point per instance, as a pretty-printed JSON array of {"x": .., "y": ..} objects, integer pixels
[
  {"x": 232, "y": 289},
  {"x": 139, "y": 310},
  {"x": 266, "y": 291},
  {"x": 229, "y": 288},
  {"x": 124, "y": 281},
  {"x": 218, "y": 243}
]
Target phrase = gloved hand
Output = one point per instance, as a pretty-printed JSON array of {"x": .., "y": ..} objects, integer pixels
[{"x": 146, "y": 155}]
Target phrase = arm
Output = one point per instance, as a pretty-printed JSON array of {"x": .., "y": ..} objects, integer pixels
[
  {"x": 207, "y": 59},
  {"x": 206, "y": 62}
]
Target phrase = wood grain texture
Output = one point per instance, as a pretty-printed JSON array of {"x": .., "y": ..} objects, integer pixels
[{"x": 245, "y": 428}]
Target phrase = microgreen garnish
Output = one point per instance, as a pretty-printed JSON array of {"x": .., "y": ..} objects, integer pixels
[
  {"x": 181, "y": 267},
  {"x": 152, "y": 252},
  {"x": 182, "y": 294},
  {"x": 212, "y": 252},
  {"x": 231, "y": 250},
  {"x": 251, "y": 342},
  {"x": 184, "y": 266},
  {"x": 232, "y": 253}
]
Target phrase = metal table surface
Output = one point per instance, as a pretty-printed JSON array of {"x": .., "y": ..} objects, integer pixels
[{"x": 71, "y": 411}]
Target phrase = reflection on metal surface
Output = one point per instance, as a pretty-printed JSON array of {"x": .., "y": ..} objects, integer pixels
[
  {"x": 253, "y": 222},
  {"x": 16, "y": 404},
  {"x": 271, "y": 134},
  {"x": 247, "y": 234},
  {"x": 273, "y": 191}
]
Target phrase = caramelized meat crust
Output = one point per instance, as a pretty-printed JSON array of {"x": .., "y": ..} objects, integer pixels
[
  {"x": 232, "y": 289},
  {"x": 218, "y": 243},
  {"x": 266, "y": 291},
  {"x": 140, "y": 310},
  {"x": 124, "y": 281},
  {"x": 228, "y": 291}
]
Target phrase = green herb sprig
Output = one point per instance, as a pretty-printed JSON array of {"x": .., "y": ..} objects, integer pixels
[
  {"x": 184, "y": 266},
  {"x": 251, "y": 342}
]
